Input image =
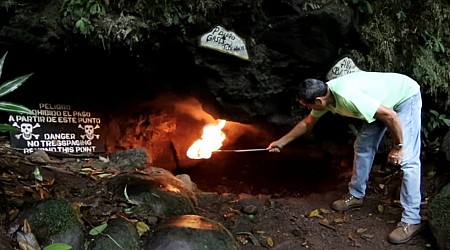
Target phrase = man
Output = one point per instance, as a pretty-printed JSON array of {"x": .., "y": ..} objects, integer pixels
[{"x": 386, "y": 101}]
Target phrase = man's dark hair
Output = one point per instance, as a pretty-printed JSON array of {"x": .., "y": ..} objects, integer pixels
[{"x": 310, "y": 89}]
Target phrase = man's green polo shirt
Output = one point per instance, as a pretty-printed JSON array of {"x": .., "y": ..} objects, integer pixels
[{"x": 360, "y": 94}]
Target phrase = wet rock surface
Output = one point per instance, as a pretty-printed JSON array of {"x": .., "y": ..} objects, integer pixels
[
  {"x": 160, "y": 194},
  {"x": 191, "y": 232}
]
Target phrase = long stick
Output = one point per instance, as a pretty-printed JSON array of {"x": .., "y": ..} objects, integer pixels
[{"x": 240, "y": 150}]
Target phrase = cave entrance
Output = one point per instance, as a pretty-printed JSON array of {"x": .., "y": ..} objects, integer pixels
[
  {"x": 168, "y": 127},
  {"x": 296, "y": 171}
]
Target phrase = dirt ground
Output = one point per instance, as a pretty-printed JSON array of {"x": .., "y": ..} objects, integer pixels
[
  {"x": 267, "y": 201},
  {"x": 292, "y": 193}
]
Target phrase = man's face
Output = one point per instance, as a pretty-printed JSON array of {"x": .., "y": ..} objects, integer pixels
[{"x": 317, "y": 105}]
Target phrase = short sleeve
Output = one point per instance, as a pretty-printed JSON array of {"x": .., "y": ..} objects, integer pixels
[
  {"x": 366, "y": 105},
  {"x": 317, "y": 114}
]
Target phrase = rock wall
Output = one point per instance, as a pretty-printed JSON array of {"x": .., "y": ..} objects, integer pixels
[{"x": 286, "y": 42}]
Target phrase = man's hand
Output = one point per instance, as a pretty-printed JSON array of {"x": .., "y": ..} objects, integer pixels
[
  {"x": 275, "y": 147},
  {"x": 395, "y": 156}
]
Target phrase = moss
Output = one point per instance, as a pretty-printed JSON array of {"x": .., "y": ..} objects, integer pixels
[
  {"x": 439, "y": 210},
  {"x": 52, "y": 217}
]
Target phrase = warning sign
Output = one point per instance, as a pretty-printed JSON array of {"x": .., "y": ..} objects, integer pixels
[{"x": 59, "y": 128}]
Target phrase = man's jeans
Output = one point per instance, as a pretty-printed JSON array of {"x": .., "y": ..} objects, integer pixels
[{"x": 366, "y": 145}]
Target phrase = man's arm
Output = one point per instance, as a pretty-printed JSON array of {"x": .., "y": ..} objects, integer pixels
[
  {"x": 390, "y": 119},
  {"x": 301, "y": 128}
]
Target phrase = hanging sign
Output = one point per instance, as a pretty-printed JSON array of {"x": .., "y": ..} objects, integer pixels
[
  {"x": 342, "y": 67},
  {"x": 224, "y": 41},
  {"x": 58, "y": 128}
]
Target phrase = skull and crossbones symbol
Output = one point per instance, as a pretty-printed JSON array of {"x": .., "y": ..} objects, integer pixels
[
  {"x": 26, "y": 130},
  {"x": 89, "y": 131}
]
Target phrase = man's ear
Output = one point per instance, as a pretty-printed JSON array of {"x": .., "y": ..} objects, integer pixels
[
  {"x": 322, "y": 100},
  {"x": 319, "y": 100}
]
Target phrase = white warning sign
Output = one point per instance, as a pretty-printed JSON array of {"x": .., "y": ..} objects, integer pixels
[
  {"x": 224, "y": 41},
  {"x": 59, "y": 128}
]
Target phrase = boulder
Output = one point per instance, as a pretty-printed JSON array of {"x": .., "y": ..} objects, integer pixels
[
  {"x": 155, "y": 193},
  {"x": 56, "y": 221},
  {"x": 191, "y": 232},
  {"x": 119, "y": 234},
  {"x": 439, "y": 218}
]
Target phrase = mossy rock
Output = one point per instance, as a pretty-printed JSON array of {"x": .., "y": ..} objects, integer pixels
[
  {"x": 119, "y": 234},
  {"x": 56, "y": 221},
  {"x": 439, "y": 218},
  {"x": 159, "y": 194}
]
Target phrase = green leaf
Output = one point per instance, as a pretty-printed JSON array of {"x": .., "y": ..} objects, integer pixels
[
  {"x": 434, "y": 112},
  {"x": 98, "y": 229},
  {"x": 381, "y": 209},
  {"x": 2, "y": 61},
  {"x": 58, "y": 246},
  {"x": 96, "y": 9},
  {"x": 7, "y": 128},
  {"x": 126, "y": 194},
  {"x": 191, "y": 19},
  {"x": 37, "y": 174},
  {"x": 435, "y": 125},
  {"x": 446, "y": 121},
  {"x": 176, "y": 20},
  {"x": 368, "y": 7},
  {"x": 80, "y": 24},
  {"x": 15, "y": 108},
  {"x": 12, "y": 85},
  {"x": 431, "y": 173}
]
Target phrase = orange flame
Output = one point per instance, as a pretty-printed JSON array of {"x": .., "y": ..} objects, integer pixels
[
  {"x": 210, "y": 141},
  {"x": 171, "y": 188}
]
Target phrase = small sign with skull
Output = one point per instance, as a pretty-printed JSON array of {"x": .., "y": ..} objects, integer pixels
[{"x": 58, "y": 128}]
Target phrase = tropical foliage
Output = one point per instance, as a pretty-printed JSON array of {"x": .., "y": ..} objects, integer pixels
[
  {"x": 7, "y": 88},
  {"x": 411, "y": 38}
]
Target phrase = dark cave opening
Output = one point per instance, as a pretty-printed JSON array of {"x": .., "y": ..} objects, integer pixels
[
  {"x": 296, "y": 171},
  {"x": 302, "y": 167}
]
